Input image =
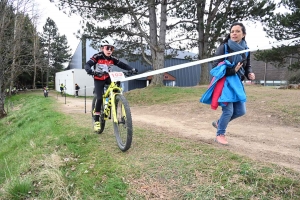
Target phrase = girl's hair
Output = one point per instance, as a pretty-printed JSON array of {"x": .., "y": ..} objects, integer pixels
[{"x": 232, "y": 25}]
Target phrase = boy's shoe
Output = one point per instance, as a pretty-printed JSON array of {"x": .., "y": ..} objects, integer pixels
[
  {"x": 221, "y": 139},
  {"x": 215, "y": 124},
  {"x": 97, "y": 126}
]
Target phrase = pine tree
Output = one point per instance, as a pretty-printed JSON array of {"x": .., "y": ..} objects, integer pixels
[{"x": 55, "y": 48}]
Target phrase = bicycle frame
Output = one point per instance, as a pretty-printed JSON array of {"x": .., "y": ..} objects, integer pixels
[{"x": 113, "y": 89}]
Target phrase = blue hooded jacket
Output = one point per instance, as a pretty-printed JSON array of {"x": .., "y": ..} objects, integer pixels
[{"x": 233, "y": 90}]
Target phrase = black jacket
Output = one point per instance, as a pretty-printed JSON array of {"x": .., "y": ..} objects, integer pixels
[
  {"x": 231, "y": 71},
  {"x": 102, "y": 63}
]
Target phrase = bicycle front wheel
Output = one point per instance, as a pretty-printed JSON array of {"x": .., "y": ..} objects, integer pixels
[
  {"x": 123, "y": 125},
  {"x": 101, "y": 117}
]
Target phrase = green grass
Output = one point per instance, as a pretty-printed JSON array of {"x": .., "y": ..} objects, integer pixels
[
  {"x": 164, "y": 95},
  {"x": 46, "y": 154}
]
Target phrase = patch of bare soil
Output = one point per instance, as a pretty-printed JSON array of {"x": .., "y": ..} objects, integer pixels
[{"x": 257, "y": 134}]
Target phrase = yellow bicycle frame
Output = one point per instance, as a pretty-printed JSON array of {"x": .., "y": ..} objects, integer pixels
[{"x": 111, "y": 102}]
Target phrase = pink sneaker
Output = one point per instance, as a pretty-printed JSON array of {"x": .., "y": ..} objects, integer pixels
[{"x": 221, "y": 139}]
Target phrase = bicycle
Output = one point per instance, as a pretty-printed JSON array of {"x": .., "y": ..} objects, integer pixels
[{"x": 116, "y": 107}]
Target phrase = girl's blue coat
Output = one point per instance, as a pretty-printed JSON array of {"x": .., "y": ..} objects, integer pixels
[{"x": 233, "y": 90}]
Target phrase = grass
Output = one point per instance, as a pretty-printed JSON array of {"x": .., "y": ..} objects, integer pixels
[
  {"x": 46, "y": 154},
  {"x": 164, "y": 95}
]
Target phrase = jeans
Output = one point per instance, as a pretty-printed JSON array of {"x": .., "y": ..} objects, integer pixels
[{"x": 230, "y": 112}]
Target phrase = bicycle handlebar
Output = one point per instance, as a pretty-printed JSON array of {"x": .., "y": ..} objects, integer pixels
[{"x": 128, "y": 73}]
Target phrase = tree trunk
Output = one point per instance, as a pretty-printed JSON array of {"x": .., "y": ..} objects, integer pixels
[
  {"x": 83, "y": 40},
  {"x": 48, "y": 66},
  {"x": 265, "y": 74},
  {"x": 157, "y": 43},
  {"x": 35, "y": 50},
  {"x": 12, "y": 74},
  {"x": 157, "y": 80},
  {"x": 2, "y": 110},
  {"x": 204, "y": 76},
  {"x": 2, "y": 100}
]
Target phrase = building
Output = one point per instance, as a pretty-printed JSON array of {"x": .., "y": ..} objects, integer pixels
[
  {"x": 269, "y": 73},
  {"x": 70, "y": 77}
]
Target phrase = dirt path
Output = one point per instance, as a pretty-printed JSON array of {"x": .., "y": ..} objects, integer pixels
[{"x": 256, "y": 138}]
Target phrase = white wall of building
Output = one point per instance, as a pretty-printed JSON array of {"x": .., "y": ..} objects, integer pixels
[{"x": 70, "y": 77}]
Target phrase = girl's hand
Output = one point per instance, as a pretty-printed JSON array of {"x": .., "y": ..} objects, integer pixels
[
  {"x": 238, "y": 66},
  {"x": 251, "y": 76}
]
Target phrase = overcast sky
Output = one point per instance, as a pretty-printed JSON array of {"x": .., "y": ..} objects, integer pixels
[
  {"x": 66, "y": 25},
  {"x": 69, "y": 25}
]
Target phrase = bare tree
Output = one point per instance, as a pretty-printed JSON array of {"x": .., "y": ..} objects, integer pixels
[
  {"x": 15, "y": 48},
  {"x": 6, "y": 17}
]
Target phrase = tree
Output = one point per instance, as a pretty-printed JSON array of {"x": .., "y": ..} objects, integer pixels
[
  {"x": 55, "y": 48},
  {"x": 195, "y": 23},
  {"x": 283, "y": 27},
  {"x": 205, "y": 21},
  {"x": 47, "y": 39},
  {"x": 61, "y": 53},
  {"x": 19, "y": 49},
  {"x": 15, "y": 44},
  {"x": 6, "y": 24}
]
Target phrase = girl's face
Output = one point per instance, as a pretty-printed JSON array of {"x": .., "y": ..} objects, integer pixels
[
  {"x": 107, "y": 50},
  {"x": 236, "y": 34}
]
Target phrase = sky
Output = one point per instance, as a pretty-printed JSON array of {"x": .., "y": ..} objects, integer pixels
[
  {"x": 66, "y": 25},
  {"x": 255, "y": 37}
]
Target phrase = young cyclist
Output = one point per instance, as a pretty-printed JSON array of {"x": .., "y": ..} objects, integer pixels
[
  {"x": 61, "y": 87},
  {"x": 101, "y": 63},
  {"x": 46, "y": 91}
]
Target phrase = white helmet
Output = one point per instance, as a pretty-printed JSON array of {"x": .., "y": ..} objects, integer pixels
[{"x": 107, "y": 41}]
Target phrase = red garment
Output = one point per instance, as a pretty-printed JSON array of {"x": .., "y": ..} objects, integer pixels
[
  {"x": 101, "y": 78},
  {"x": 103, "y": 63},
  {"x": 217, "y": 93}
]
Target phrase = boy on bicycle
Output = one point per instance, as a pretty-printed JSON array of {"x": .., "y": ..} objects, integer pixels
[
  {"x": 61, "y": 87},
  {"x": 101, "y": 62},
  {"x": 46, "y": 91}
]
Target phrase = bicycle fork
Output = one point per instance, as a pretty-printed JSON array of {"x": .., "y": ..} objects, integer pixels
[{"x": 114, "y": 111}]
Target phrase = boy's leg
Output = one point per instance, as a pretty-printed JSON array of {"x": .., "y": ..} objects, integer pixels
[{"x": 99, "y": 88}]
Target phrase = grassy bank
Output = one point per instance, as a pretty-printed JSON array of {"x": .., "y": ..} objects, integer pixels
[{"x": 46, "y": 154}]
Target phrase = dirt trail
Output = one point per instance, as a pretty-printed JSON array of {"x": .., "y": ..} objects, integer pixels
[{"x": 257, "y": 139}]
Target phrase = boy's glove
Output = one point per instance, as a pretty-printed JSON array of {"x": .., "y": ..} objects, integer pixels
[{"x": 90, "y": 72}]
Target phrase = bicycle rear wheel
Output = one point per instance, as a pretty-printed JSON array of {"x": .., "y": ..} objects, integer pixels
[
  {"x": 123, "y": 126},
  {"x": 101, "y": 117}
]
